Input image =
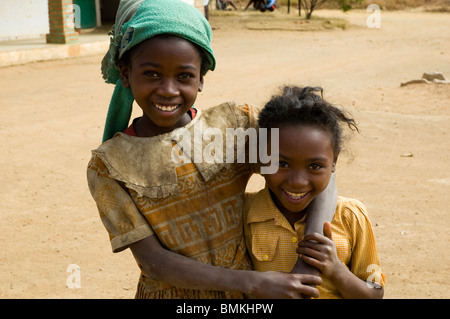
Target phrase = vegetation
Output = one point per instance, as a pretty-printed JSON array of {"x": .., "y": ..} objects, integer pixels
[
  {"x": 310, "y": 5},
  {"x": 428, "y": 5}
]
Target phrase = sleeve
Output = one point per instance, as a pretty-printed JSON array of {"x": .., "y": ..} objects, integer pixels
[
  {"x": 118, "y": 212},
  {"x": 245, "y": 210},
  {"x": 364, "y": 263},
  {"x": 247, "y": 117}
]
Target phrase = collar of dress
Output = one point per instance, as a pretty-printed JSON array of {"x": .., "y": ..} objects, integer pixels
[
  {"x": 145, "y": 164},
  {"x": 263, "y": 209}
]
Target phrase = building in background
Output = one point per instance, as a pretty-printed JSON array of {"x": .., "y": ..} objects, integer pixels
[{"x": 57, "y": 20}]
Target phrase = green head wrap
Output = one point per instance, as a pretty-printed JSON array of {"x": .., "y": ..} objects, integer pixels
[{"x": 139, "y": 20}]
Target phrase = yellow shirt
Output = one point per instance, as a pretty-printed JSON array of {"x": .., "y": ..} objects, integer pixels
[{"x": 272, "y": 242}]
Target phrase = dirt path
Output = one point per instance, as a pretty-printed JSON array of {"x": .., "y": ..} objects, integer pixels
[{"x": 52, "y": 113}]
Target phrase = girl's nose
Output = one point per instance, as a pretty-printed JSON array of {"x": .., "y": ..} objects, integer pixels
[
  {"x": 298, "y": 179},
  {"x": 168, "y": 88}
]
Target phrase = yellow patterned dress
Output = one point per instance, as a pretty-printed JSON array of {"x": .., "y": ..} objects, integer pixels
[
  {"x": 193, "y": 207},
  {"x": 272, "y": 241}
]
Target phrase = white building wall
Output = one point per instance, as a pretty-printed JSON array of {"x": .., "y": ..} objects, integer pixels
[{"x": 22, "y": 19}]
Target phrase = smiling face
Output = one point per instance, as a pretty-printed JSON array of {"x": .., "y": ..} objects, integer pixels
[
  {"x": 306, "y": 160},
  {"x": 164, "y": 77}
]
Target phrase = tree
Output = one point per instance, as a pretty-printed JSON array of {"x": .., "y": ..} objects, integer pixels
[{"x": 311, "y": 5}]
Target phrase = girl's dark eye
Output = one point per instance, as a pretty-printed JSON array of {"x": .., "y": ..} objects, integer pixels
[
  {"x": 186, "y": 76},
  {"x": 151, "y": 74},
  {"x": 315, "y": 166},
  {"x": 283, "y": 164}
]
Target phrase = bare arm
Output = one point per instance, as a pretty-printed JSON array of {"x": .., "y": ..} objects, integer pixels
[
  {"x": 351, "y": 287},
  {"x": 320, "y": 210},
  {"x": 169, "y": 267}
]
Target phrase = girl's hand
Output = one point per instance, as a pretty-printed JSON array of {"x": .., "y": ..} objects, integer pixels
[
  {"x": 320, "y": 252},
  {"x": 279, "y": 285},
  {"x": 180, "y": 271}
]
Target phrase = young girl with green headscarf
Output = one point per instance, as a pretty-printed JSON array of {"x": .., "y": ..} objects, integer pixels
[{"x": 181, "y": 219}]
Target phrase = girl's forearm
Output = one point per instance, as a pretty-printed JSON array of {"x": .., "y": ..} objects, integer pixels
[
  {"x": 177, "y": 270},
  {"x": 322, "y": 209},
  {"x": 174, "y": 269},
  {"x": 351, "y": 287}
]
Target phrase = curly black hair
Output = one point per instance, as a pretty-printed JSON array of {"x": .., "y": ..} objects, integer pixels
[{"x": 303, "y": 106}]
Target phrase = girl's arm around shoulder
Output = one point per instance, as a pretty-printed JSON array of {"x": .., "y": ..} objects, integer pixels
[
  {"x": 184, "y": 272},
  {"x": 322, "y": 208},
  {"x": 246, "y": 114}
]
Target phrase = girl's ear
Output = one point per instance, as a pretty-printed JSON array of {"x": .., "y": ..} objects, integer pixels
[
  {"x": 200, "y": 85},
  {"x": 125, "y": 75},
  {"x": 333, "y": 169}
]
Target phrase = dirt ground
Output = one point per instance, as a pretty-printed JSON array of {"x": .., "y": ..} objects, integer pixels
[{"x": 52, "y": 115}]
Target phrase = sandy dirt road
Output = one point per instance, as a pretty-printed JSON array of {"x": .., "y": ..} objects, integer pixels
[{"x": 52, "y": 114}]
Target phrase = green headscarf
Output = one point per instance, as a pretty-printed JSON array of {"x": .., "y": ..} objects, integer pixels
[{"x": 139, "y": 20}]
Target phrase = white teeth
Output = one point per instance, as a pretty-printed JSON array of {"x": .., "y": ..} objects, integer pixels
[
  {"x": 167, "y": 108},
  {"x": 295, "y": 195}
]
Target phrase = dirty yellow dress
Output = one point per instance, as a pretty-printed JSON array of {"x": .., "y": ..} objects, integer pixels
[{"x": 193, "y": 207}]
